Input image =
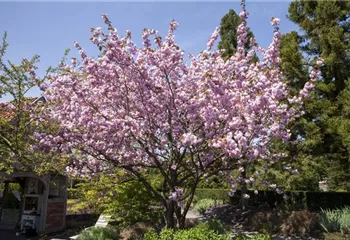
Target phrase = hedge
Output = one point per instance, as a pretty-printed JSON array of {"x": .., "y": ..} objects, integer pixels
[{"x": 313, "y": 201}]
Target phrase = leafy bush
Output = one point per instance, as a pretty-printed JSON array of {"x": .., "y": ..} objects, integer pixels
[
  {"x": 99, "y": 233},
  {"x": 214, "y": 225},
  {"x": 335, "y": 220},
  {"x": 199, "y": 233},
  {"x": 204, "y": 204},
  {"x": 203, "y": 231},
  {"x": 167, "y": 234},
  {"x": 74, "y": 193},
  {"x": 150, "y": 235},
  {"x": 127, "y": 200}
]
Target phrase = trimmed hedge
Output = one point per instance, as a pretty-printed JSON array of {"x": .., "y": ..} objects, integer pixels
[
  {"x": 210, "y": 193},
  {"x": 313, "y": 201}
]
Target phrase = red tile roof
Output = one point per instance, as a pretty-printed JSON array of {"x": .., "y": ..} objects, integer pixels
[{"x": 7, "y": 110}]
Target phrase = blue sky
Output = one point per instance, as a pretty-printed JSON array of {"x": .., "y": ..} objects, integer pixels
[{"x": 47, "y": 29}]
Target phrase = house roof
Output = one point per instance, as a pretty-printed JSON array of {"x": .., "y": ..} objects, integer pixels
[{"x": 7, "y": 110}]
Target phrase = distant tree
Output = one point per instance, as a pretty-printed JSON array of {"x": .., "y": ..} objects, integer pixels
[
  {"x": 228, "y": 34},
  {"x": 16, "y": 125}
]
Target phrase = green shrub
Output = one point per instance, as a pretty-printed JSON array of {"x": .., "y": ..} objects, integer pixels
[
  {"x": 313, "y": 201},
  {"x": 150, "y": 235},
  {"x": 199, "y": 233},
  {"x": 335, "y": 220},
  {"x": 74, "y": 193},
  {"x": 216, "y": 194},
  {"x": 127, "y": 200},
  {"x": 214, "y": 225},
  {"x": 205, "y": 231},
  {"x": 99, "y": 233},
  {"x": 204, "y": 204},
  {"x": 167, "y": 234}
]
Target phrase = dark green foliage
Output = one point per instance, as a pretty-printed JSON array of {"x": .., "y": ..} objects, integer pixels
[
  {"x": 12, "y": 201},
  {"x": 228, "y": 34},
  {"x": 295, "y": 70},
  {"x": 314, "y": 201},
  {"x": 99, "y": 233},
  {"x": 322, "y": 152}
]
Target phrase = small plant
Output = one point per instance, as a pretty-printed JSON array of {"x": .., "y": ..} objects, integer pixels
[
  {"x": 204, "y": 231},
  {"x": 150, "y": 235},
  {"x": 199, "y": 233},
  {"x": 99, "y": 233},
  {"x": 167, "y": 234},
  {"x": 214, "y": 225},
  {"x": 335, "y": 220}
]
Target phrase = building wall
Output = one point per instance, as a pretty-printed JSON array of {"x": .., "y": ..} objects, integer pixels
[
  {"x": 55, "y": 218},
  {"x": 55, "y": 215}
]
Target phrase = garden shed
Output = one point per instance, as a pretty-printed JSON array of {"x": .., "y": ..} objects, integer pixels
[{"x": 33, "y": 203}]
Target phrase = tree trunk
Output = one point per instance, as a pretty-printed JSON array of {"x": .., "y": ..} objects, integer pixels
[
  {"x": 244, "y": 201},
  {"x": 169, "y": 215},
  {"x": 179, "y": 224},
  {"x": 244, "y": 190}
]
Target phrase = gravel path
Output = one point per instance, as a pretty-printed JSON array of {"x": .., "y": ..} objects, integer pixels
[{"x": 193, "y": 215}]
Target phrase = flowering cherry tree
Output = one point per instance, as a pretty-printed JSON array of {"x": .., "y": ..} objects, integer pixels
[{"x": 147, "y": 108}]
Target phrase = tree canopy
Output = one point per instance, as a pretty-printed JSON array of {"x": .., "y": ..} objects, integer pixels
[{"x": 136, "y": 109}]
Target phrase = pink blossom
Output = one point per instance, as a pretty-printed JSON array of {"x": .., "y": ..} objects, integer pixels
[
  {"x": 275, "y": 21},
  {"x": 189, "y": 139}
]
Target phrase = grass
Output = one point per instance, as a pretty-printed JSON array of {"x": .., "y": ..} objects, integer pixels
[{"x": 337, "y": 220}]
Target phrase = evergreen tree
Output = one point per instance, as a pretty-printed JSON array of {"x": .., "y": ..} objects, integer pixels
[
  {"x": 228, "y": 34},
  {"x": 323, "y": 148}
]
